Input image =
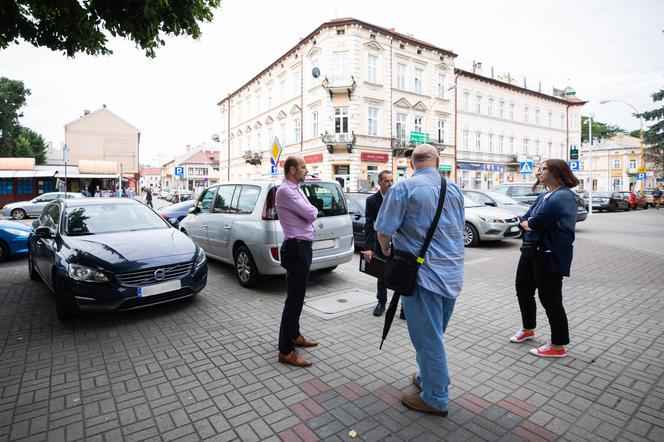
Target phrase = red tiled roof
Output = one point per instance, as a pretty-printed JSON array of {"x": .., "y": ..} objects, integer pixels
[
  {"x": 202, "y": 157},
  {"x": 150, "y": 171}
]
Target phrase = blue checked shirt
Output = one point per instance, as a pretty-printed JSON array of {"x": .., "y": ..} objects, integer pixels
[{"x": 406, "y": 215}]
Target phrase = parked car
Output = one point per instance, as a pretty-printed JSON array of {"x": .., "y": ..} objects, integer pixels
[
  {"x": 164, "y": 193},
  {"x": 13, "y": 239},
  {"x": 650, "y": 197},
  {"x": 236, "y": 222},
  {"x": 609, "y": 201},
  {"x": 34, "y": 207},
  {"x": 485, "y": 223},
  {"x": 585, "y": 195},
  {"x": 112, "y": 254},
  {"x": 179, "y": 195},
  {"x": 635, "y": 199},
  {"x": 495, "y": 199},
  {"x": 357, "y": 203},
  {"x": 176, "y": 212},
  {"x": 523, "y": 192}
]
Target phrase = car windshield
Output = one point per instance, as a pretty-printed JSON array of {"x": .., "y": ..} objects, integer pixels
[
  {"x": 500, "y": 198},
  {"x": 361, "y": 202},
  {"x": 603, "y": 194},
  {"x": 108, "y": 218},
  {"x": 327, "y": 197},
  {"x": 469, "y": 201}
]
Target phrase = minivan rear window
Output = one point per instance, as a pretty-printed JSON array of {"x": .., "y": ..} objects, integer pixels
[{"x": 327, "y": 197}]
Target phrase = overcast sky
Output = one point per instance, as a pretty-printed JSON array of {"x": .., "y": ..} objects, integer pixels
[{"x": 605, "y": 49}]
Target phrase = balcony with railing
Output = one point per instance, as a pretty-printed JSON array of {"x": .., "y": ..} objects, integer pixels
[
  {"x": 336, "y": 84},
  {"x": 253, "y": 158},
  {"x": 334, "y": 140}
]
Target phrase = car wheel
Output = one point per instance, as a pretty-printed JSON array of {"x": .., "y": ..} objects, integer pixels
[
  {"x": 470, "y": 236},
  {"x": 31, "y": 269},
  {"x": 4, "y": 252},
  {"x": 18, "y": 214},
  {"x": 327, "y": 269},
  {"x": 245, "y": 267},
  {"x": 64, "y": 303}
]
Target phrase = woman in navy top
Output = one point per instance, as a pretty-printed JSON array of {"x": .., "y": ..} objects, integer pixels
[{"x": 546, "y": 256}]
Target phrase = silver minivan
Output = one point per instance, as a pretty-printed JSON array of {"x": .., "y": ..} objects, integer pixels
[{"x": 236, "y": 222}]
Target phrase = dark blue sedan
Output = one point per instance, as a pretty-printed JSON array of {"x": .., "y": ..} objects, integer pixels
[
  {"x": 13, "y": 239},
  {"x": 106, "y": 254},
  {"x": 176, "y": 212}
]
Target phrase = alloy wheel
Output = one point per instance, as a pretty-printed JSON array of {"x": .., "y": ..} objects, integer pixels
[
  {"x": 18, "y": 214},
  {"x": 243, "y": 267}
]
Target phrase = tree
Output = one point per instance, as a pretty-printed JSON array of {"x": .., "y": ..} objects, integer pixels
[
  {"x": 600, "y": 130},
  {"x": 30, "y": 144},
  {"x": 75, "y": 26},
  {"x": 653, "y": 137}
]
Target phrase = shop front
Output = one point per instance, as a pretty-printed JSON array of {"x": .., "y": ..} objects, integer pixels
[
  {"x": 484, "y": 175},
  {"x": 341, "y": 173},
  {"x": 371, "y": 164}
]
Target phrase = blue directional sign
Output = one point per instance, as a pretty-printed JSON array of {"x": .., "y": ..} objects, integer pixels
[
  {"x": 179, "y": 171},
  {"x": 274, "y": 169},
  {"x": 574, "y": 165},
  {"x": 641, "y": 176},
  {"x": 526, "y": 167}
]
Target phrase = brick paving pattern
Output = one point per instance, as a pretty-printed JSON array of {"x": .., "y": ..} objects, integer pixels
[{"x": 207, "y": 369}]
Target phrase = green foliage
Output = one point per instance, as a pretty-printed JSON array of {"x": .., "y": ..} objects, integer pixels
[
  {"x": 16, "y": 140},
  {"x": 75, "y": 26},
  {"x": 653, "y": 137},
  {"x": 600, "y": 130}
]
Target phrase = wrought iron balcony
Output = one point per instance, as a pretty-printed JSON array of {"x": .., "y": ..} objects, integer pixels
[
  {"x": 253, "y": 158},
  {"x": 332, "y": 140},
  {"x": 339, "y": 84}
]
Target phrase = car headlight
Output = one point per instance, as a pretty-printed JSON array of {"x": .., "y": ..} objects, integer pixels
[
  {"x": 18, "y": 232},
  {"x": 85, "y": 274},
  {"x": 490, "y": 219},
  {"x": 200, "y": 257}
]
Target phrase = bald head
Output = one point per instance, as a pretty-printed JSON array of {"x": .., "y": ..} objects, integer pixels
[{"x": 424, "y": 155}]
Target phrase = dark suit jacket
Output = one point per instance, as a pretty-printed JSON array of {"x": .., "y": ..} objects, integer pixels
[{"x": 370, "y": 214}]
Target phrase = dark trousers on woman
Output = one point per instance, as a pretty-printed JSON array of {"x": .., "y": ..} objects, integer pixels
[
  {"x": 532, "y": 274},
  {"x": 296, "y": 259}
]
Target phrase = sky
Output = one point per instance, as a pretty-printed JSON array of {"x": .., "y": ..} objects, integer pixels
[{"x": 605, "y": 49}]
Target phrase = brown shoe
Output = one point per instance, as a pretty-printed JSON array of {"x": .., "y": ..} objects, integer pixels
[
  {"x": 415, "y": 402},
  {"x": 301, "y": 341},
  {"x": 295, "y": 359},
  {"x": 415, "y": 381}
]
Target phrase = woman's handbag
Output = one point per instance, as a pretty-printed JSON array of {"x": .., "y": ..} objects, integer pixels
[{"x": 401, "y": 267}]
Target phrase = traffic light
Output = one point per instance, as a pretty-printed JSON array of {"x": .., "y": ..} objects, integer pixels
[{"x": 573, "y": 153}]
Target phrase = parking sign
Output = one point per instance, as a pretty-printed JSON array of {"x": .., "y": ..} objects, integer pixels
[
  {"x": 179, "y": 171},
  {"x": 574, "y": 165}
]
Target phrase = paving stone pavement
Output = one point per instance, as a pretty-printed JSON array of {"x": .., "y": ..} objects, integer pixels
[{"x": 207, "y": 369}]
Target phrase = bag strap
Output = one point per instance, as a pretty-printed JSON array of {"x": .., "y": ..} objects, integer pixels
[{"x": 441, "y": 202}]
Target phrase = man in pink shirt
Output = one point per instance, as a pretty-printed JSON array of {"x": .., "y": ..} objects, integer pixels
[{"x": 296, "y": 215}]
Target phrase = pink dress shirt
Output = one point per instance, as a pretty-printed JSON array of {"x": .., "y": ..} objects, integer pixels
[{"x": 296, "y": 213}]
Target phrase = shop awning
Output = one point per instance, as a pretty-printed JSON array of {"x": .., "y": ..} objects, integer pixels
[
  {"x": 26, "y": 173},
  {"x": 87, "y": 175}
]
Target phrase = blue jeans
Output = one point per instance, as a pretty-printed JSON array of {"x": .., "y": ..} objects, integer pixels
[{"x": 427, "y": 315}]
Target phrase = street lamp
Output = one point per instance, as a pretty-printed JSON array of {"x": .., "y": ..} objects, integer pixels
[{"x": 642, "y": 163}]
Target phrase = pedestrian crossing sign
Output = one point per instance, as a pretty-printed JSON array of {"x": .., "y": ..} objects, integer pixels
[{"x": 526, "y": 167}]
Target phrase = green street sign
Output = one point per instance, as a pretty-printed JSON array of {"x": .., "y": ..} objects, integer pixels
[
  {"x": 419, "y": 137},
  {"x": 444, "y": 168}
]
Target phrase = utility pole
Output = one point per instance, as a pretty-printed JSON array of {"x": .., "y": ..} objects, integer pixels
[{"x": 592, "y": 181}]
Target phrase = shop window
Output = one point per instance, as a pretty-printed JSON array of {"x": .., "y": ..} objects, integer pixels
[
  {"x": 6, "y": 187},
  {"x": 24, "y": 186}
]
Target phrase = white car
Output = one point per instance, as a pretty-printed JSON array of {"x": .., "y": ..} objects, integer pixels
[{"x": 486, "y": 223}]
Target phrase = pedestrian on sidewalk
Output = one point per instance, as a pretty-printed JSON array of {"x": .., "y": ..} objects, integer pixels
[
  {"x": 371, "y": 246},
  {"x": 657, "y": 197},
  {"x": 148, "y": 197},
  {"x": 403, "y": 222},
  {"x": 296, "y": 216},
  {"x": 546, "y": 256}
]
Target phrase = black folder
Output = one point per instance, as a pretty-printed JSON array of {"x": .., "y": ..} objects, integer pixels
[{"x": 375, "y": 268}]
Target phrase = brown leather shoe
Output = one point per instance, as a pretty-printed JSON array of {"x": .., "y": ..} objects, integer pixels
[
  {"x": 415, "y": 402},
  {"x": 295, "y": 359},
  {"x": 301, "y": 341},
  {"x": 415, "y": 381}
]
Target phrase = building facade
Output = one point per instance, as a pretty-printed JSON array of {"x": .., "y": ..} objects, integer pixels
[
  {"x": 352, "y": 98},
  {"x": 500, "y": 124},
  {"x": 150, "y": 178},
  {"x": 201, "y": 169}
]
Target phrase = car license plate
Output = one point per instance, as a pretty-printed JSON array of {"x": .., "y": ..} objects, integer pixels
[
  {"x": 325, "y": 244},
  {"x": 514, "y": 229},
  {"x": 156, "y": 289}
]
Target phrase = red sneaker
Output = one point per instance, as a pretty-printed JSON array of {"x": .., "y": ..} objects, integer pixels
[
  {"x": 546, "y": 351},
  {"x": 522, "y": 335}
]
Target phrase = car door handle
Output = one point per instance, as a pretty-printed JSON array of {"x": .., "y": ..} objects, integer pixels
[
  {"x": 204, "y": 226},
  {"x": 227, "y": 227}
]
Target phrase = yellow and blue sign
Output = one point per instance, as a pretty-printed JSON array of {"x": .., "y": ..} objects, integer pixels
[{"x": 275, "y": 155}]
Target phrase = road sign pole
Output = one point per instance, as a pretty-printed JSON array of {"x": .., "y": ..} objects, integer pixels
[{"x": 590, "y": 141}]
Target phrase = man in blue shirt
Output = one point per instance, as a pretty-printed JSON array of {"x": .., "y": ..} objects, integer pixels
[{"x": 402, "y": 224}]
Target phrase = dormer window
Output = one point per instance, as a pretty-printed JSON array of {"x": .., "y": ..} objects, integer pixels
[
  {"x": 372, "y": 36},
  {"x": 419, "y": 51},
  {"x": 341, "y": 31}
]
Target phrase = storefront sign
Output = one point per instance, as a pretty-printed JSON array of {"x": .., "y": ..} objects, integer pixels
[
  {"x": 313, "y": 158},
  {"x": 419, "y": 137},
  {"x": 444, "y": 168},
  {"x": 340, "y": 169},
  {"x": 374, "y": 157}
]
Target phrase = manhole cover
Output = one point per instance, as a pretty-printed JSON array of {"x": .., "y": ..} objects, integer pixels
[{"x": 340, "y": 303}]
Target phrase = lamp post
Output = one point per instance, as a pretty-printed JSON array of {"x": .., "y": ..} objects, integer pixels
[{"x": 642, "y": 167}]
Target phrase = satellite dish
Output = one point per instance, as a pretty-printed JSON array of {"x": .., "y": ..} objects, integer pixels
[{"x": 315, "y": 72}]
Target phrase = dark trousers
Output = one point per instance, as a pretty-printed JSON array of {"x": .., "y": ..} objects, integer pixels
[
  {"x": 296, "y": 259},
  {"x": 533, "y": 273},
  {"x": 381, "y": 290}
]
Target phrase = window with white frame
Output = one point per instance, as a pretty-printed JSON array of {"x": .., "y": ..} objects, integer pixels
[
  {"x": 501, "y": 140},
  {"x": 464, "y": 103},
  {"x": 258, "y": 141},
  {"x": 340, "y": 120},
  {"x": 537, "y": 117},
  {"x": 418, "y": 80},
  {"x": 512, "y": 111},
  {"x": 478, "y": 141},
  {"x": 501, "y": 109},
  {"x": 373, "y": 121},
  {"x": 296, "y": 130},
  {"x": 525, "y": 146},
  {"x": 465, "y": 135},
  {"x": 401, "y": 76},
  {"x": 340, "y": 66},
  {"x": 314, "y": 124},
  {"x": 283, "y": 133},
  {"x": 562, "y": 150},
  {"x": 282, "y": 88},
  {"x": 249, "y": 109},
  {"x": 250, "y": 142},
  {"x": 296, "y": 84},
  {"x": 489, "y": 107},
  {"x": 549, "y": 151},
  {"x": 270, "y": 135},
  {"x": 269, "y": 99},
  {"x": 550, "y": 119},
  {"x": 537, "y": 147},
  {"x": 616, "y": 164},
  {"x": 441, "y": 131},
  {"x": 478, "y": 104},
  {"x": 490, "y": 142},
  {"x": 562, "y": 121},
  {"x": 259, "y": 104},
  {"x": 512, "y": 151},
  {"x": 441, "y": 85},
  {"x": 478, "y": 180},
  {"x": 401, "y": 128},
  {"x": 632, "y": 164},
  {"x": 372, "y": 63},
  {"x": 582, "y": 165},
  {"x": 417, "y": 124},
  {"x": 525, "y": 114},
  {"x": 240, "y": 113}
]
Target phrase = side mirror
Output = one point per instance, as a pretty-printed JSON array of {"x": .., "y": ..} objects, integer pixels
[
  {"x": 35, "y": 224},
  {"x": 490, "y": 203},
  {"x": 195, "y": 210},
  {"x": 44, "y": 232},
  {"x": 358, "y": 216}
]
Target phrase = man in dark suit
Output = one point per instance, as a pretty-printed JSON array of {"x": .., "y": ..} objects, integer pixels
[{"x": 371, "y": 246}]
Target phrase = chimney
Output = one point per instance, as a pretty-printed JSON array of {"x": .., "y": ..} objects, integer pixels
[
  {"x": 86, "y": 112},
  {"x": 391, "y": 29},
  {"x": 477, "y": 67}
]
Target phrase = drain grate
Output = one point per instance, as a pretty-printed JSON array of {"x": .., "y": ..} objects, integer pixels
[{"x": 338, "y": 304}]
